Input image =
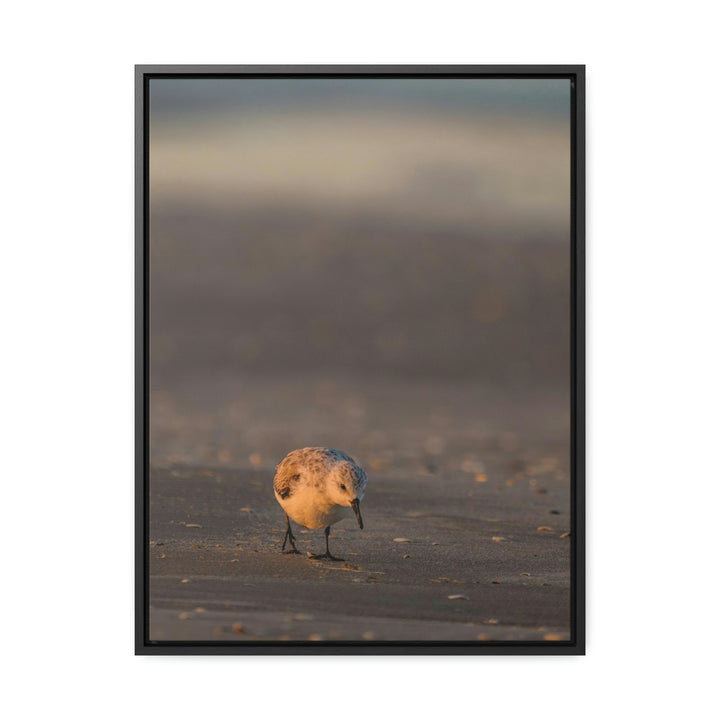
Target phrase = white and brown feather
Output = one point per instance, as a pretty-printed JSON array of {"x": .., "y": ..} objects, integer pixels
[{"x": 302, "y": 479}]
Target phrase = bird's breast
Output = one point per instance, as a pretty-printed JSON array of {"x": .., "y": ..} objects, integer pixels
[{"x": 313, "y": 511}]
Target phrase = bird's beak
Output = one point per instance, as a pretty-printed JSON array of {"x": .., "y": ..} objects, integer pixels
[{"x": 355, "y": 504}]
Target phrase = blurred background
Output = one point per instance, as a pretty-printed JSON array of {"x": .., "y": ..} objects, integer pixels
[{"x": 381, "y": 265}]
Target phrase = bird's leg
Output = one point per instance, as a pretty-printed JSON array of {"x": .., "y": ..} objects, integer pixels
[
  {"x": 289, "y": 536},
  {"x": 327, "y": 553}
]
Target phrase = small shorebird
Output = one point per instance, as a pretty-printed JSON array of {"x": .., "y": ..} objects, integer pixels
[{"x": 317, "y": 487}]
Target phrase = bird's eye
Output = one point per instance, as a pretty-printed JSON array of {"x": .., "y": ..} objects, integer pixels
[{"x": 342, "y": 487}]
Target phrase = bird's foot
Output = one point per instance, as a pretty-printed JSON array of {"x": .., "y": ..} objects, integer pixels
[
  {"x": 291, "y": 551},
  {"x": 325, "y": 556}
]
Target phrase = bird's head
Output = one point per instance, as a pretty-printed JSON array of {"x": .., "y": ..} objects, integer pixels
[{"x": 347, "y": 489}]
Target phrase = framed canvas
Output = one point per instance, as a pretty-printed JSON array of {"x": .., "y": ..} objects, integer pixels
[{"x": 360, "y": 359}]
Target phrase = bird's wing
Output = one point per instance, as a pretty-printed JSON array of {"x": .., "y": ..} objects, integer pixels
[{"x": 286, "y": 481}]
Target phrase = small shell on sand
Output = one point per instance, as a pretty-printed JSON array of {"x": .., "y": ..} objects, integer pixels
[
  {"x": 238, "y": 627},
  {"x": 193, "y": 525},
  {"x": 565, "y": 535},
  {"x": 553, "y": 636},
  {"x": 184, "y": 580},
  {"x": 498, "y": 538},
  {"x": 400, "y": 540},
  {"x": 544, "y": 528},
  {"x": 458, "y": 597}
]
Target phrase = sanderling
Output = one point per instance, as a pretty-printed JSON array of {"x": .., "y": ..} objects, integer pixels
[{"x": 317, "y": 487}]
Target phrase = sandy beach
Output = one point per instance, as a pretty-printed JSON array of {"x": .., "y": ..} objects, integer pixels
[
  {"x": 457, "y": 545},
  {"x": 387, "y": 278}
]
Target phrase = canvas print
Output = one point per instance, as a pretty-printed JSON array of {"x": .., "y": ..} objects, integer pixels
[{"x": 359, "y": 341}]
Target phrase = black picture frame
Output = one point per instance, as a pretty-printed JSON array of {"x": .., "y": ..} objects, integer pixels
[{"x": 576, "y": 644}]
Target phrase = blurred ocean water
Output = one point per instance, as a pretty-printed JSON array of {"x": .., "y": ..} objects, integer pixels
[{"x": 405, "y": 244}]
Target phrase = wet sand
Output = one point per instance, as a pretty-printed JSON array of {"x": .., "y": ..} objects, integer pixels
[{"x": 217, "y": 573}]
